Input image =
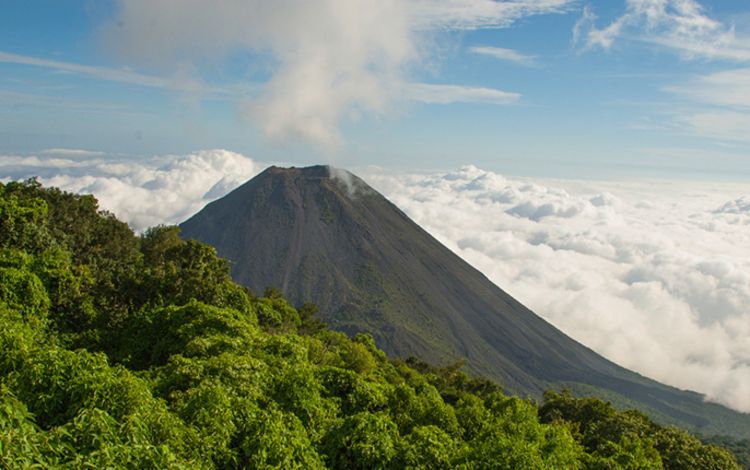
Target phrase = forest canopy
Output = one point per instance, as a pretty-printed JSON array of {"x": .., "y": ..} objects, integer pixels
[{"x": 138, "y": 351}]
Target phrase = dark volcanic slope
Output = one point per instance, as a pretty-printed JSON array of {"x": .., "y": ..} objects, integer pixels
[{"x": 370, "y": 268}]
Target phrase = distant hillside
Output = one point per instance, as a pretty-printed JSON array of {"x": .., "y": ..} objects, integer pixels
[{"x": 340, "y": 244}]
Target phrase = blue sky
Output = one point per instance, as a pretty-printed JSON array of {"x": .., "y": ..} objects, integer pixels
[{"x": 546, "y": 87}]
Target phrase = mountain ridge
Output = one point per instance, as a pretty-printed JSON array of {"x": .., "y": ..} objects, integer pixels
[{"x": 371, "y": 269}]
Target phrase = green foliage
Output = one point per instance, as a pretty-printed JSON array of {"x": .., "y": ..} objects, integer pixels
[
  {"x": 428, "y": 447},
  {"x": 177, "y": 271},
  {"x": 192, "y": 330},
  {"x": 681, "y": 450},
  {"x": 740, "y": 448},
  {"x": 23, "y": 292},
  {"x": 22, "y": 445},
  {"x": 118, "y": 351},
  {"x": 629, "y": 439},
  {"x": 514, "y": 438},
  {"x": 275, "y": 314},
  {"x": 278, "y": 440},
  {"x": 22, "y": 222},
  {"x": 310, "y": 324},
  {"x": 362, "y": 441}
]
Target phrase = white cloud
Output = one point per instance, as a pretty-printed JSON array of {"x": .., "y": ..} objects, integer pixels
[
  {"x": 309, "y": 64},
  {"x": 476, "y": 14},
  {"x": 722, "y": 105},
  {"x": 105, "y": 73},
  {"x": 741, "y": 205},
  {"x": 322, "y": 61},
  {"x": 653, "y": 275},
  {"x": 721, "y": 99},
  {"x": 160, "y": 190},
  {"x": 501, "y": 53},
  {"x": 678, "y": 25},
  {"x": 725, "y": 88},
  {"x": 719, "y": 124},
  {"x": 446, "y": 94},
  {"x": 8, "y": 98}
]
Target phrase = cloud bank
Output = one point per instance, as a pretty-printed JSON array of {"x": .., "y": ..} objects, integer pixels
[
  {"x": 323, "y": 61},
  {"x": 159, "y": 190},
  {"x": 653, "y": 275}
]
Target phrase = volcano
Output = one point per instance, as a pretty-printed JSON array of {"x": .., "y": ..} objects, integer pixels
[{"x": 324, "y": 236}]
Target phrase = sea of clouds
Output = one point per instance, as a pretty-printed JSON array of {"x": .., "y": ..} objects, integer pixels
[{"x": 654, "y": 275}]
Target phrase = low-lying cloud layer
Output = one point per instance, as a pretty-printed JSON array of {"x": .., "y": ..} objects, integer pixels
[
  {"x": 160, "y": 190},
  {"x": 653, "y": 275}
]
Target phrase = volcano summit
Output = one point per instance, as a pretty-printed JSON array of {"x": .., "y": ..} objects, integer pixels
[{"x": 325, "y": 236}]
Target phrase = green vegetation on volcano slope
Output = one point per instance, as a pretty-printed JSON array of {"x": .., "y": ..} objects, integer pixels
[{"x": 139, "y": 352}]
